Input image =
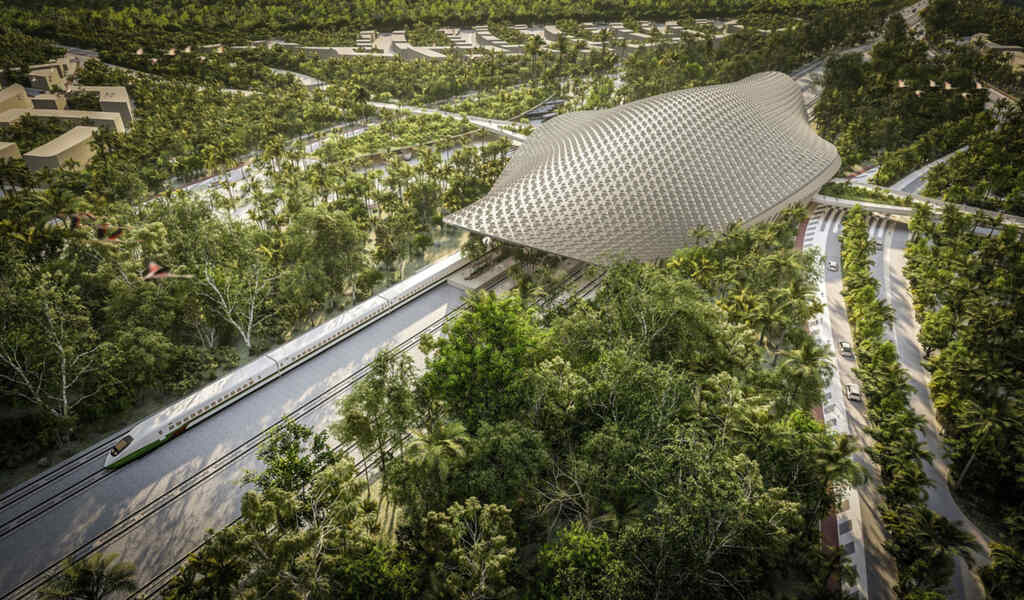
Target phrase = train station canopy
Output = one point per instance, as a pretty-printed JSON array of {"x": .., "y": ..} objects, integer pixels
[{"x": 633, "y": 182}]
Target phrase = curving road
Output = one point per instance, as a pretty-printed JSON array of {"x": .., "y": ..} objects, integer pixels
[{"x": 904, "y": 335}]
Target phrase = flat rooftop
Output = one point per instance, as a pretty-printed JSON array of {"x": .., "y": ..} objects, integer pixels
[{"x": 59, "y": 144}]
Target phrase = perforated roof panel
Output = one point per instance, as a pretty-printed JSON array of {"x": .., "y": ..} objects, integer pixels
[{"x": 634, "y": 181}]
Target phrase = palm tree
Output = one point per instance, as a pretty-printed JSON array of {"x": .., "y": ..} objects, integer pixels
[
  {"x": 981, "y": 423},
  {"x": 436, "y": 451},
  {"x": 431, "y": 456},
  {"x": 805, "y": 366},
  {"x": 1004, "y": 576},
  {"x": 93, "y": 578},
  {"x": 837, "y": 466},
  {"x": 947, "y": 539}
]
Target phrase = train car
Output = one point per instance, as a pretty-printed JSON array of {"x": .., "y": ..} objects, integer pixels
[
  {"x": 175, "y": 419},
  {"x": 318, "y": 339}
]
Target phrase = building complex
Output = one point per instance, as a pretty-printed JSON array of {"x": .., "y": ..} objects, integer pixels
[{"x": 635, "y": 181}]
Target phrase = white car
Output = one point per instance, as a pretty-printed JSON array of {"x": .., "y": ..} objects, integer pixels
[
  {"x": 833, "y": 265},
  {"x": 852, "y": 392},
  {"x": 846, "y": 349}
]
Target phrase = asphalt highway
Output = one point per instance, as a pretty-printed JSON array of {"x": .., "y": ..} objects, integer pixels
[
  {"x": 155, "y": 510},
  {"x": 894, "y": 290},
  {"x": 904, "y": 335},
  {"x": 881, "y": 570}
]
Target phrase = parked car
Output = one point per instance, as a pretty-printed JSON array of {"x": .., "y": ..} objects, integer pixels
[
  {"x": 852, "y": 392},
  {"x": 846, "y": 349},
  {"x": 833, "y": 265}
]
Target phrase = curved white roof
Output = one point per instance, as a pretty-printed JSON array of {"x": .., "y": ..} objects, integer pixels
[{"x": 634, "y": 181}]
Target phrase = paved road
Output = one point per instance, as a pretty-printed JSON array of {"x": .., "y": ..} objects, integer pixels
[
  {"x": 880, "y": 568},
  {"x": 888, "y": 269},
  {"x": 493, "y": 125},
  {"x": 904, "y": 334},
  {"x": 916, "y": 180},
  {"x": 171, "y": 531}
]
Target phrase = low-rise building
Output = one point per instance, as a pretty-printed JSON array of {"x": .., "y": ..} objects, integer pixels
[
  {"x": 9, "y": 150},
  {"x": 320, "y": 51},
  {"x": 408, "y": 52},
  {"x": 12, "y": 115},
  {"x": 51, "y": 101},
  {"x": 1015, "y": 53},
  {"x": 108, "y": 120},
  {"x": 74, "y": 145},
  {"x": 66, "y": 65},
  {"x": 45, "y": 79},
  {"x": 14, "y": 96}
]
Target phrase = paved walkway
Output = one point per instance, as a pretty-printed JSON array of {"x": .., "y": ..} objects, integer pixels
[
  {"x": 494, "y": 125},
  {"x": 916, "y": 180}
]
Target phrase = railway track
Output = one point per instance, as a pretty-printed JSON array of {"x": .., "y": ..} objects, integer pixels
[
  {"x": 40, "y": 507},
  {"x": 26, "y": 489},
  {"x": 154, "y": 587},
  {"x": 137, "y": 517},
  {"x": 140, "y": 515}
]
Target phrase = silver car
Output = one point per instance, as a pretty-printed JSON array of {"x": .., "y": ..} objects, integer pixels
[
  {"x": 833, "y": 265},
  {"x": 846, "y": 349}
]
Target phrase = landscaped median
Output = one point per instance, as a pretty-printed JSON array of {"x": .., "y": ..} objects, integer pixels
[{"x": 922, "y": 542}]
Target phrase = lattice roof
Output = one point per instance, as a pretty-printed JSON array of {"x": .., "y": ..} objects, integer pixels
[{"x": 634, "y": 181}]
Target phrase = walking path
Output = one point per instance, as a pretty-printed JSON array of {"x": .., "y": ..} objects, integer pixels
[
  {"x": 916, "y": 180},
  {"x": 494, "y": 125}
]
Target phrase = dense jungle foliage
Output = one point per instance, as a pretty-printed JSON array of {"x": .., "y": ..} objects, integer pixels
[
  {"x": 655, "y": 442},
  {"x": 960, "y": 18},
  {"x": 201, "y": 113},
  {"x": 864, "y": 112},
  {"x": 966, "y": 286},
  {"x": 117, "y": 24},
  {"x": 989, "y": 172},
  {"x": 306, "y": 229}
]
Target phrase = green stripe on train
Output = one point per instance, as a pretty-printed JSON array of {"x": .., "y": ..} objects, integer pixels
[{"x": 136, "y": 454}]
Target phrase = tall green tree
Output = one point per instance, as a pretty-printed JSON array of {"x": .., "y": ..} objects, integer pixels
[
  {"x": 95, "y": 577},
  {"x": 471, "y": 545},
  {"x": 378, "y": 414}
]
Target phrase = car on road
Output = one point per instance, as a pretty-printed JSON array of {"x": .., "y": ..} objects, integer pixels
[
  {"x": 846, "y": 349},
  {"x": 852, "y": 392},
  {"x": 833, "y": 265}
]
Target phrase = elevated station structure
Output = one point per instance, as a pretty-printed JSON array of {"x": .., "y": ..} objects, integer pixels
[{"x": 633, "y": 182}]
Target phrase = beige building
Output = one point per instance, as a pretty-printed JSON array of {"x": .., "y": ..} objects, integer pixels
[
  {"x": 75, "y": 145},
  {"x": 53, "y": 74},
  {"x": 50, "y": 101},
  {"x": 1015, "y": 53},
  {"x": 11, "y": 115},
  {"x": 113, "y": 99},
  {"x": 14, "y": 96},
  {"x": 66, "y": 65},
  {"x": 45, "y": 79},
  {"x": 9, "y": 150},
  {"x": 108, "y": 120}
]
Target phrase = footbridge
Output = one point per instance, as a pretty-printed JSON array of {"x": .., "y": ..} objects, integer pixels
[
  {"x": 895, "y": 210},
  {"x": 497, "y": 126}
]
